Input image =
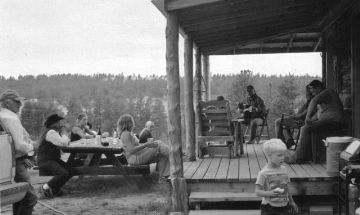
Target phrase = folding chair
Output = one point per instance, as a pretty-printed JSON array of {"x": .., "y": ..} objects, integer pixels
[
  {"x": 293, "y": 126},
  {"x": 262, "y": 126}
]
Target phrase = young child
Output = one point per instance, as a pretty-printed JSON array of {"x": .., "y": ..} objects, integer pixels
[{"x": 272, "y": 182}]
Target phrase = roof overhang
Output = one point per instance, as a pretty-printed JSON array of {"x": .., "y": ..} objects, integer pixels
[{"x": 222, "y": 27}]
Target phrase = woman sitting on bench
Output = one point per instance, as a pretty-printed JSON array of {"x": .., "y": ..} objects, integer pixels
[
  {"x": 49, "y": 156},
  {"x": 146, "y": 153}
]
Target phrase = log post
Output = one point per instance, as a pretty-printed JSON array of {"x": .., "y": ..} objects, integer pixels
[
  {"x": 179, "y": 192},
  {"x": 189, "y": 99},
  {"x": 206, "y": 75},
  {"x": 197, "y": 94},
  {"x": 331, "y": 59},
  {"x": 355, "y": 69}
]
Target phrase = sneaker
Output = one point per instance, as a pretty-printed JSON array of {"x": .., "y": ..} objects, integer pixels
[{"x": 45, "y": 193}]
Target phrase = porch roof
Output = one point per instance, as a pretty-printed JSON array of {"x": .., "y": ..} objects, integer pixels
[{"x": 224, "y": 27}]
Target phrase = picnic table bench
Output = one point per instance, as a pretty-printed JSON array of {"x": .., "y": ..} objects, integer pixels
[{"x": 100, "y": 160}]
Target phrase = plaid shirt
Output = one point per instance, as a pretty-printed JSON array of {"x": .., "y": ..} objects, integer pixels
[{"x": 257, "y": 103}]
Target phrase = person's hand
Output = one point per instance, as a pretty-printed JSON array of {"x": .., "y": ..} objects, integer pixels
[
  {"x": 152, "y": 144},
  {"x": 28, "y": 163},
  {"x": 294, "y": 207},
  {"x": 274, "y": 192}
]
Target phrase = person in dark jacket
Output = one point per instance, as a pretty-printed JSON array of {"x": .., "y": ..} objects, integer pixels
[
  {"x": 49, "y": 156},
  {"x": 146, "y": 132}
]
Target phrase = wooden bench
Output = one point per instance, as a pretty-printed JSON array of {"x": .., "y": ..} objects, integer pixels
[{"x": 10, "y": 192}]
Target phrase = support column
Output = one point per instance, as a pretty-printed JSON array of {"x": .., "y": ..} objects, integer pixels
[
  {"x": 197, "y": 93},
  {"x": 355, "y": 70},
  {"x": 179, "y": 193},
  {"x": 331, "y": 60},
  {"x": 189, "y": 99},
  {"x": 206, "y": 76},
  {"x": 323, "y": 61}
]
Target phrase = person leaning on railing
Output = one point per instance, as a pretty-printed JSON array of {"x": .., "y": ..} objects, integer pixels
[{"x": 10, "y": 108}]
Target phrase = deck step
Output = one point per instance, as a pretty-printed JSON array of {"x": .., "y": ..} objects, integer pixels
[
  {"x": 196, "y": 197},
  {"x": 224, "y": 212}
]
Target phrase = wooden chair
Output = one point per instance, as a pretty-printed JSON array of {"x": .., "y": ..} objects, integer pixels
[
  {"x": 216, "y": 131},
  {"x": 263, "y": 125},
  {"x": 10, "y": 192}
]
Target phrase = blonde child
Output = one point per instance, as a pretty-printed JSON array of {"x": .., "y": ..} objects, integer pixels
[{"x": 272, "y": 182}]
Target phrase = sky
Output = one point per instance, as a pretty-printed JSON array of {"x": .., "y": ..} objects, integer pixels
[{"x": 109, "y": 36}]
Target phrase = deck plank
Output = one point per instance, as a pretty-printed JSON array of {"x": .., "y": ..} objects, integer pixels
[
  {"x": 299, "y": 171},
  {"x": 253, "y": 163},
  {"x": 213, "y": 168},
  {"x": 260, "y": 155},
  {"x": 201, "y": 171},
  {"x": 292, "y": 173},
  {"x": 244, "y": 169},
  {"x": 223, "y": 169},
  {"x": 192, "y": 168},
  {"x": 233, "y": 173},
  {"x": 313, "y": 173},
  {"x": 186, "y": 165}
]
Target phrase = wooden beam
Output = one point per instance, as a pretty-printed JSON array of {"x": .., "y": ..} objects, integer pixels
[
  {"x": 317, "y": 44},
  {"x": 335, "y": 13},
  {"x": 198, "y": 94},
  {"x": 205, "y": 67},
  {"x": 257, "y": 51},
  {"x": 290, "y": 44},
  {"x": 258, "y": 38},
  {"x": 355, "y": 72},
  {"x": 179, "y": 195},
  {"x": 189, "y": 99},
  {"x": 183, "y": 4}
]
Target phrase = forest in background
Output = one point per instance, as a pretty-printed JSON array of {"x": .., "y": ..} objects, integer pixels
[{"x": 104, "y": 97}]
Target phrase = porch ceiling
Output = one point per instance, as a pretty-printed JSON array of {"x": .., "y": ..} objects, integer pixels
[{"x": 224, "y": 27}]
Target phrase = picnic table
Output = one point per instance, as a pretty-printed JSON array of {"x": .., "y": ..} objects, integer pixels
[{"x": 95, "y": 164}]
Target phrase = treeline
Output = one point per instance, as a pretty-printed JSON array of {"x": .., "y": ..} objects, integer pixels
[{"x": 105, "y": 97}]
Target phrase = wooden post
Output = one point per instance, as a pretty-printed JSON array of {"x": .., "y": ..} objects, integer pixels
[
  {"x": 197, "y": 94},
  {"x": 179, "y": 193},
  {"x": 355, "y": 70},
  {"x": 189, "y": 99},
  {"x": 205, "y": 64},
  {"x": 331, "y": 59},
  {"x": 323, "y": 61}
]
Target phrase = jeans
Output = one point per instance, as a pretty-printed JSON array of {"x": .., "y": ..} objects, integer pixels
[
  {"x": 271, "y": 210},
  {"x": 304, "y": 149},
  {"x": 253, "y": 127},
  {"x": 159, "y": 154},
  {"x": 60, "y": 170},
  {"x": 26, "y": 205}
]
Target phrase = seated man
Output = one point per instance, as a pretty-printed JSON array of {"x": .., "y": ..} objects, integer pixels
[
  {"x": 146, "y": 132},
  {"x": 253, "y": 110},
  {"x": 10, "y": 108},
  {"x": 330, "y": 118},
  {"x": 283, "y": 125}
]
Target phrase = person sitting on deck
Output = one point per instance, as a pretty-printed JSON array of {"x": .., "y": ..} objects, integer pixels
[
  {"x": 80, "y": 130},
  {"x": 253, "y": 111},
  {"x": 331, "y": 118},
  {"x": 146, "y": 132},
  {"x": 298, "y": 120},
  {"x": 272, "y": 182},
  {"x": 146, "y": 153},
  {"x": 10, "y": 109},
  {"x": 48, "y": 158}
]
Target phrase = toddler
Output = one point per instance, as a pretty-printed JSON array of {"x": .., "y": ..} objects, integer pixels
[{"x": 272, "y": 182}]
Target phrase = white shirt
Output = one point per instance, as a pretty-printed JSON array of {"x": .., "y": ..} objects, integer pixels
[
  {"x": 11, "y": 123},
  {"x": 55, "y": 138}
]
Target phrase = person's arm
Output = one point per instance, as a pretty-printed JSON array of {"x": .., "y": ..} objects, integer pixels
[
  {"x": 302, "y": 111},
  {"x": 325, "y": 94},
  {"x": 127, "y": 138},
  {"x": 259, "y": 191},
  {"x": 55, "y": 138},
  {"x": 292, "y": 203},
  {"x": 16, "y": 130},
  {"x": 81, "y": 133}
]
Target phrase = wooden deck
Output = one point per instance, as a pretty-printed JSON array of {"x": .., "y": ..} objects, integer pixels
[{"x": 220, "y": 174}]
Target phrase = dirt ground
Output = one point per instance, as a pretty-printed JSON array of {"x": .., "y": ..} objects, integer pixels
[{"x": 104, "y": 195}]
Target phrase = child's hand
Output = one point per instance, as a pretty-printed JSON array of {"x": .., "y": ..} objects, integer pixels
[
  {"x": 273, "y": 193},
  {"x": 294, "y": 207}
]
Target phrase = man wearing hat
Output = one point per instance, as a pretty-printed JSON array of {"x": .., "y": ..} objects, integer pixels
[
  {"x": 10, "y": 106},
  {"x": 49, "y": 156},
  {"x": 255, "y": 110},
  {"x": 331, "y": 122}
]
